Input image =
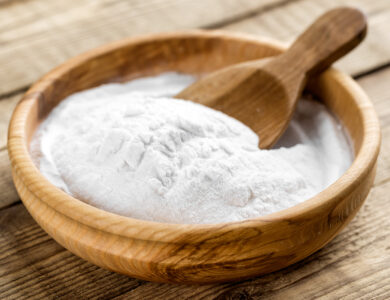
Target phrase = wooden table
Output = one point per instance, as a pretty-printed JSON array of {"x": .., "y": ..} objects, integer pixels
[{"x": 36, "y": 35}]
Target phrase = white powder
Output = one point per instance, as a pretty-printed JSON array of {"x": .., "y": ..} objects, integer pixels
[{"x": 133, "y": 150}]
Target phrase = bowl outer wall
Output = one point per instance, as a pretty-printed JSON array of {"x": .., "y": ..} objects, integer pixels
[{"x": 193, "y": 253}]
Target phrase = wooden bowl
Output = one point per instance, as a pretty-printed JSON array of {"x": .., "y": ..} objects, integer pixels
[{"x": 179, "y": 252}]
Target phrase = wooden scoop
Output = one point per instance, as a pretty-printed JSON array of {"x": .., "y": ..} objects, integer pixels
[{"x": 263, "y": 93}]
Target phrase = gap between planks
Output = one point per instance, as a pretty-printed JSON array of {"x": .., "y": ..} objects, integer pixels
[
  {"x": 284, "y": 23},
  {"x": 31, "y": 46}
]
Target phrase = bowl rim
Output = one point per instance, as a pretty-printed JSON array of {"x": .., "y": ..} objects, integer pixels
[{"x": 79, "y": 211}]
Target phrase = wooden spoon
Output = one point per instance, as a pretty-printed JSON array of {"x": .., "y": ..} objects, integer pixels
[{"x": 263, "y": 93}]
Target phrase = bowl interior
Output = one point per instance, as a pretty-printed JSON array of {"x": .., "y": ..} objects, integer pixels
[
  {"x": 187, "y": 53},
  {"x": 193, "y": 53}
]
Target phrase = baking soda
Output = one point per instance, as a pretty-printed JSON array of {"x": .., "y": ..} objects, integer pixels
[{"x": 133, "y": 150}]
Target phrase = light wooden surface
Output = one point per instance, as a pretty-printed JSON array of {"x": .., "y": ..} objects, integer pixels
[
  {"x": 263, "y": 93},
  {"x": 355, "y": 265}
]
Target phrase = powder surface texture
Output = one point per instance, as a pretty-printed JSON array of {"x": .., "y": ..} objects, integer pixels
[{"x": 133, "y": 150}]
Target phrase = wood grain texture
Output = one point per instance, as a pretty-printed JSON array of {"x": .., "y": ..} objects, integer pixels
[
  {"x": 334, "y": 269},
  {"x": 286, "y": 22},
  {"x": 263, "y": 93},
  {"x": 8, "y": 193},
  {"x": 181, "y": 252},
  {"x": 377, "y": 87},
  {"x": 7, "y": 105},
  {"x": 37, "y": 35},
  {"x": 355, "y": 265},
  {"x": 33, "y": 266}
]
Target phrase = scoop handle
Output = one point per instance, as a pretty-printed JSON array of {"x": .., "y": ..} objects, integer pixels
[{"x": 330, "y": 37}]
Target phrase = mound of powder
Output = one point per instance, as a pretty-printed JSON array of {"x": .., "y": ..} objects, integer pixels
[{"x": 133, "y": 150}]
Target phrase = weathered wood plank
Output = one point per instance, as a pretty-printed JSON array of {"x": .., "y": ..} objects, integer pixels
[
  {"x": 33, "y": 266},
  {"x": 8, "y": 193},
  {"x": 376, "y": 86},
  {"x": 286, "y": 22},
  {"x": 32, "y": 45},
  {"x": 383, "y": 166},
  {"x": 356, "y": 265},
  {"x": 7, "y": 105},
  {"x": 35, "y": 36}
]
